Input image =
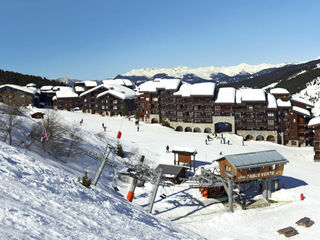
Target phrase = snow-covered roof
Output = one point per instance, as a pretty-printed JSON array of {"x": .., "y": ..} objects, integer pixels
[
  {"x": 279, "y": 91},
  {"x": 301, "y": 110},
  {"x": 282, "y": 103},
  {"x": 54, "y": 98},
  {"x": 153, "y": 86},
  {"x": 118, "y": 91},
  {"x": 272, "y": 102},
  {"x": 21, "y": 88},
  {"x": 120, "y": 81},
  {"x": 197, "y": 89},
  {"x": 314, "y": 122},
  {"x": 250, "y": 95},
  {"x": 226, "y": 95},
  {"x": 46, "y": 88},
  {"x": 184, "y": 149},
  {"x": 79, "y": 89},
  {"x": 31, "y": 85},
  {"x": 66, "y": 92},
  {"x": 91, "y": 90},
  {"x": 303, "y": 101},
  {"x": 90, "y": 83}
]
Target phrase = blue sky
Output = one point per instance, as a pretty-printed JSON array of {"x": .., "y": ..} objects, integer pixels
[{"x": 97, "y": 39}]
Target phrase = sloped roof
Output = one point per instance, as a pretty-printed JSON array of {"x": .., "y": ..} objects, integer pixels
[
  {"x": 250, "y": 95},
  {"x": 118, "y": 91},
  {"x": 282, "y": 103},
  {"x": 120, "y": 81},
  {"x": 226, "y": 95},
  {"x": 66, "y": 92},
  {"x": 171, "y": 170},
  {"x": 90, "y": 83},
  {"x": 79, "y": 89},
  {"x": 184, "y": 149},
  {"x": 153, "y": 86},
  {"x": 279, "y": 91},
  {"x": 255, "y": 159},
  {"x": 303, "y": 101},
  {"x": 46, "y": 88},
  {"x": 314, "y": 122},
  {"x": 272, "y": 102},
  {"x": 301, "y": 111},
  {"x": 20, "y": 88},
  {"x": 197, "y": 89}
]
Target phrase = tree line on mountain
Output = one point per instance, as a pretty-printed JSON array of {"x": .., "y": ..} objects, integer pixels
[
  {"x": 8, "y": 77},
  {"x": 290, "y": 77}
]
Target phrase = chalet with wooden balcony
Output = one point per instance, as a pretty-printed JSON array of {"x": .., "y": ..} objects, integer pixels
[
  {"x": 155, "y": 100},
  {"x": 65, "y": 99},
  {"x": 108, "y": 99},
  {"x": 11, "y": 94}
]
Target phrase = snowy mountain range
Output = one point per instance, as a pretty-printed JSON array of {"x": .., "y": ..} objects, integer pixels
[{"x": 192, "y": 75}]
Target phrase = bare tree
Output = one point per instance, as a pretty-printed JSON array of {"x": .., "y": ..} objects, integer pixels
[
  {"x": 9, "y": 121},
  {"x": 73, "y": 141}
]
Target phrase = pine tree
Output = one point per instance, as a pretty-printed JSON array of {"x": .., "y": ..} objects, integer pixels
[
  {"x": 119, "y": 150},
  {"x": 124, "y": 110},
  {"x": 138, "y": 115}
]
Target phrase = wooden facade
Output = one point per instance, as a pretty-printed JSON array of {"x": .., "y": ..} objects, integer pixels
[
  {"x": 18, "y": 96},
  {"x": 252, "y": 166},
  {"x": 250, "y": 174},
  {"x": 253, "y": 119},
  {"x": 100, "y": 100}
]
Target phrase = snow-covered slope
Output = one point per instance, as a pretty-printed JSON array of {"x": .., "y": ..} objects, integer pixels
[
  {"x": 312, "y": 93},
  {"x": 202, "y": 72},
  {"x": 41, "y": 201}
]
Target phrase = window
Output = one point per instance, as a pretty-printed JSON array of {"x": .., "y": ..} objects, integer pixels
[
  {"x": 253, "y": 170},
  {"x": 250, "y": 107},
  {"x": 147, "y": 99},
  {"x": 197, "y": 114},
  {"x": 102, "y": 107},
  {"x": 272, "y": 167},
  {"x": 228, "y": 168},
  {"x": 179, "y": 114},
  {"x": 270, "y": 114},
  {"x": 155, "y": 99},
  {"x": 270, "y": 122},
  {"x": 217, "y": 108}
]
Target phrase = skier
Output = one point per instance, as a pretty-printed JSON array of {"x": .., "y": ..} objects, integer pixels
[
  {"x": 206, "y": 141},
  {"x": 220, "y": 153},
  {"x": 137, "y": 128},
  {"x": 228, "y": 142},
  {"x": 167, "y": 148},
  {"x": 242, "y": 141}
]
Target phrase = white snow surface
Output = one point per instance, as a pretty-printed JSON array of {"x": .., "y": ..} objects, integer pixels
[
  {"x": 279, "y": 91},
  {"x": 226, "y": 95},
  {"x": 272, "y": 102},
  {"x": 41, "y": 199},
  {"x": 197, "y": 89},
  {"x": 301, "y": 110},
  {"x": 46, "y": 88},
  {"x": 66, "y": 92},
  {"x": 79, "y": 89},
  {"x": 90, "y": 83},
  {"x": 184, "y": 149},
  {"x": 158, "y": 83},
  {"x": 120, "y": 81},
  {"x": 119, "y": 91},
  {"x": 203, "y": 72},
  {"x": 301, "y": 100},
  {"x": 249, "y": 95},
  {"x": 314, "y": 122},
  {"x": 21, "y": 88},
  {"x": 282, "y": 103}
]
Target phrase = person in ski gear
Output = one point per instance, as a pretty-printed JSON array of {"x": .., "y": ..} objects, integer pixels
[{"x": 167, "y": 148}]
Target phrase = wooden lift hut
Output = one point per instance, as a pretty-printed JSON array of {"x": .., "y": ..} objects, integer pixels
[
  {"x": 183, "y": 155},
  {"x": 253, "y": 166}
]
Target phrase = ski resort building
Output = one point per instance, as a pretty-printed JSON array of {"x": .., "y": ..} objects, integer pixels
[
  {"x": 12, "y": 94},
  {"x": 315, "y": 124},
  {"x": 65, "y": 99},
  {"x": 251, "y": 113},
  {"x": 108, "y": 99}
]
